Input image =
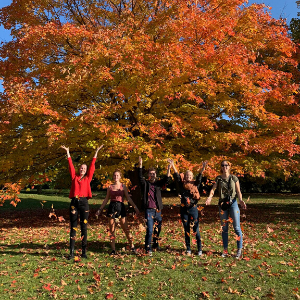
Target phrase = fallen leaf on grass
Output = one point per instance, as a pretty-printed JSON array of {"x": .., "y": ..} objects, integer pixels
[
  {"x": 231, "y": 291},
  {"x": 97, "y": 277},
  {"x": 141, "y": 227},
  {"x": 63, "y": 282},
  {"x": 205, "y": 295},
  {"x": 47, "y": 287}
]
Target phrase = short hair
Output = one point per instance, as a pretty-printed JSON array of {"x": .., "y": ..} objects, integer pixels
[{"x": 151, "y": 169}]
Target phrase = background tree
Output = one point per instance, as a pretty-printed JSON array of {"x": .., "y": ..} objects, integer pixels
[{"x": 192, "y": 80}]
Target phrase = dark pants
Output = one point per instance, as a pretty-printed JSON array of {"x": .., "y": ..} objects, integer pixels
[
  {"x": 79, "y": 207},
  {"x": 190, "y": 215},
  {"x": 153, "y": 219}
]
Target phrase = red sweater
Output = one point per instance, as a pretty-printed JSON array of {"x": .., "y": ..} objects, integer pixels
[{"x": 81, "y": 188}]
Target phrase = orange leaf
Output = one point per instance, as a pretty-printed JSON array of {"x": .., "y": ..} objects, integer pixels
[
  {"x": 47, "y": 287},
  {"x": 200, "y": 208},
  {"x": 205, "y": 295},
  {"x": 109, "y": 296}
]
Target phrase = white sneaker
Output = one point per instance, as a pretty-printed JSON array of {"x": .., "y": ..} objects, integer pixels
[
  {"x": 239, "y": 254},
  {"x": 150, "y": 253},
  {"x": 188, "y": 252},
  {"x": 200, "y": 253}
]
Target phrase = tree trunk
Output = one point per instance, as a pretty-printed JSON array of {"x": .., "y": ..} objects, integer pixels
[
  {"x": 135, "y": 190},
  {"x": 39, "y": 189}
]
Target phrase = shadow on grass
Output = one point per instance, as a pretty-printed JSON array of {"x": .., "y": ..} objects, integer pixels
[
  {"x": 36, "y": 216},
  {"x": 256, "y": 213},
  {"x": 272, "y": 212},
  {"x": 31, "y": 202},
  {"x": 61, "y": 249}
]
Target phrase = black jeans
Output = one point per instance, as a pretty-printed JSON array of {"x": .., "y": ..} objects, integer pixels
[{"x": 79, "y": 206}]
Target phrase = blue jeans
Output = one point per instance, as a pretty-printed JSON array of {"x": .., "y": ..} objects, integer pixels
[
  {"x": 234, "y": 213},
  {"x": 190, "y": 215},
  {"x": 153, "y": 219}
]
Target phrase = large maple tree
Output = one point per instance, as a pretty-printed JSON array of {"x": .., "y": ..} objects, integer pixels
[{"x": 193, "y": 80}]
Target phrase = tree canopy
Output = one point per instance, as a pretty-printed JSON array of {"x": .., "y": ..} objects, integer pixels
[{"x": 192, "y": 80}]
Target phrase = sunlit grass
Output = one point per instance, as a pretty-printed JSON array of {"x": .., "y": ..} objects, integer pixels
[{"x": 33, "y": 249}]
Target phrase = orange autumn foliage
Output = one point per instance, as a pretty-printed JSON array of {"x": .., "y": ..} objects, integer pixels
[{"x": 195, "y": 81}]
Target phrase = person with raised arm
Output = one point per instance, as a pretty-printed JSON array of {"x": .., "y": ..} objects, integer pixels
[
  {"x": 80, "y": 193},
  {"x": 228, "y": 188},
  {"x": 116, "y": 193},
  {"x": 188, "y": 190},
  {"x": 152, "y": 204}
]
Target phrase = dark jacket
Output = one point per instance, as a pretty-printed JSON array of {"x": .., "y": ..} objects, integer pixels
[
  {"x": 159, "y": 184},
  {"x": 184, "y": 193}
]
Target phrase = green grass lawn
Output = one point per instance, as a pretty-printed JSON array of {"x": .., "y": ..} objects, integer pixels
[{"x": 33, "y": 249}]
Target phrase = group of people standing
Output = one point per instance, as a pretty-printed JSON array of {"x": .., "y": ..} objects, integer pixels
[{"x": 227, "y": 186}]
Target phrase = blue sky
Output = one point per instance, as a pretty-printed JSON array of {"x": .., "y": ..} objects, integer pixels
[{"x": 280, "y": 8}]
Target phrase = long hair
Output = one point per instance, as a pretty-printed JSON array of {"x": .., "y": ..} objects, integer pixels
[
  {"x": 85, "y": 171},
  {"x": 117, "y": 171}
]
